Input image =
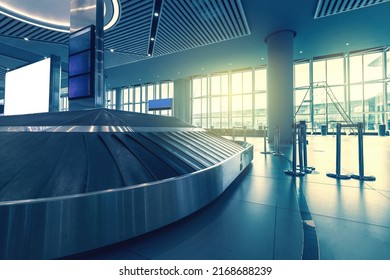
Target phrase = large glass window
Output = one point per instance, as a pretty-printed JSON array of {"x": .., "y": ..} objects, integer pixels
[
  {"x": 111, "y": 99},
  {"x": 230, "y": 100},
  {"x": 373, "y": 66},
  {"x": 356, "y": 82},
  {"x": 219, "y": 101},
  {"x": 200, "y": 101},
  {"x": 136, "y": 98},
  {"x": 303, "y": 92},
  {"x": 64, "y": 102}
]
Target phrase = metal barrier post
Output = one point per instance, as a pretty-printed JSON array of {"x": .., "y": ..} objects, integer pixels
[
  {"x": 300, "y": 155},
  {"x": 337, "y": 175},
  {"x": 277, "y": 142},
  {"x": 244, "y": 128},
  {"x": 294, "y": 171},
  {"x": 265, "y": 141},
  {"x": 306, "y": 168},
  {"x": 361, "y": 157}
]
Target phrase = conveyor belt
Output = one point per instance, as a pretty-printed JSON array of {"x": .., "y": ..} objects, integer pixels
[
  {"x": 75, "y": 181},
  {"x": 45, "y": 163}
]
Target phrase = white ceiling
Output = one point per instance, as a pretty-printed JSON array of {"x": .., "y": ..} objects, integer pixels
[{"x": 195, "y": 37}]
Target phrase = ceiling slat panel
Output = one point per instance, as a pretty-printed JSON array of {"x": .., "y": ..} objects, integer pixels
[
  {"x": 227, "y": 20},
  {"x": 200, "y": 9},
  {"x": 197, "y": 27},
  {"x": 332, "y": 7},
  {"x": 182, "y": 25},
  {"x": 240, "y": 16},
  {"x": 216, "y": 21}
]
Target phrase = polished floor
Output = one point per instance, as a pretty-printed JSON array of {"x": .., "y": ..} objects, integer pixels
[{"x": 266, "y": 214}]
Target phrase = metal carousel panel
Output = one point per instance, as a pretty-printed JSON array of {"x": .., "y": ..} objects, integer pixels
[{"x": 76, "y": 181}]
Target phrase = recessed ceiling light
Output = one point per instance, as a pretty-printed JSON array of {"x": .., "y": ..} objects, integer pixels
[
  {"x": 26, "y": 39},
  {"x": 156, "y": 14},
  {"x": 152, "y": 39},
  {"x": 230, "y": 64},
  {"x": 347, "y": 44},
  {"x": 300, "y": 51},
  {"x": 262, "y": 58},
  {"x": 149, "y": 54},
  {"x": 111, "y": 50}
]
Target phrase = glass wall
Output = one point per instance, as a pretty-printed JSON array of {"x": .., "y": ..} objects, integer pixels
[
  {"x": 228, "y": 100},
  {"x": 200, "y": 102},
  {"x": 111, "y": 99},
  {"x": 136, "y": 98},
  {"x": 355, "y": 81},
  {"x": 64, "y": 102}
]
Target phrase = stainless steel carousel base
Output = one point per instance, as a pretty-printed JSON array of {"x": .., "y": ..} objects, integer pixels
[{"x": 61, "y": 225}]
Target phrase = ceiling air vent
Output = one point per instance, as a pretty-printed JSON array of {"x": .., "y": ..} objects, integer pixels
[{"x": 333, "y": 7}]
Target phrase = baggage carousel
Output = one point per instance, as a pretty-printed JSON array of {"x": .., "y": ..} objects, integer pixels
[{"x": 76, "y": 181}]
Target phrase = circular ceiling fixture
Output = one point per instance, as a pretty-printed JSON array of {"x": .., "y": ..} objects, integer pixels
[{"x": 54, "y": 15}]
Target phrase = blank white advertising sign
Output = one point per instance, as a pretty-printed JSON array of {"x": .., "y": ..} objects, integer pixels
[{"x": 27, "y": 89}]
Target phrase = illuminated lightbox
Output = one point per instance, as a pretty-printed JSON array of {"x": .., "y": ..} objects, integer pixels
[
  {"x": 27, "y": 89},
  {"x": 160, "y": 104},
  {"x": 81, "y": 63}
]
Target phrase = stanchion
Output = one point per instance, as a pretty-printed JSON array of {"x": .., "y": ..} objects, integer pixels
[
  {"x": 277, "y": 142},
  {"x": 294, "y": 171},
  {"x": 302, "y": 130},
  {"x": 244, "y": 128},
  {"x": 265, "y": 142},
  {"x": 361, "y": 157},
  {"x": 337, "y": 175}
]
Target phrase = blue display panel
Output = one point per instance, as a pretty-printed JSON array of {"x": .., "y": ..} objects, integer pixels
[
  {"x": 81, "y": 63},
  {"x": 80, "y": 86},
  {"x": 160, "y": 104},
  {"x": 81, "y": 40}
]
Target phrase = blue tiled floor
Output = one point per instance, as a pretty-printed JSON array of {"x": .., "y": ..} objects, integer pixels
[{"x": 259, "y": 216}]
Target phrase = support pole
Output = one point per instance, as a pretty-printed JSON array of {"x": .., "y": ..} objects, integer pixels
[
  {"x": 361, "y": 157},
  {"x": 306, "y": 168},
  {"x": 277, "y": 142},
  {"x": 294, "y": 171},
  {"x": 337, "y": 175},
  {"x": 265, "y": 142},
  {"x": 300, "y": 144}
]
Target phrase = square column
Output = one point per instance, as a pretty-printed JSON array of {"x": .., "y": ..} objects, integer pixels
[{"x": 86, "y": 54}]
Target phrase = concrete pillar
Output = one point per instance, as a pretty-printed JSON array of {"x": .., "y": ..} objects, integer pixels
[
  {"x": 85, "y": 13},
  {"x": 182, "y": 100},
  {"x": 119, "y": 98},
  {"x": 280, "y": 80}
]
